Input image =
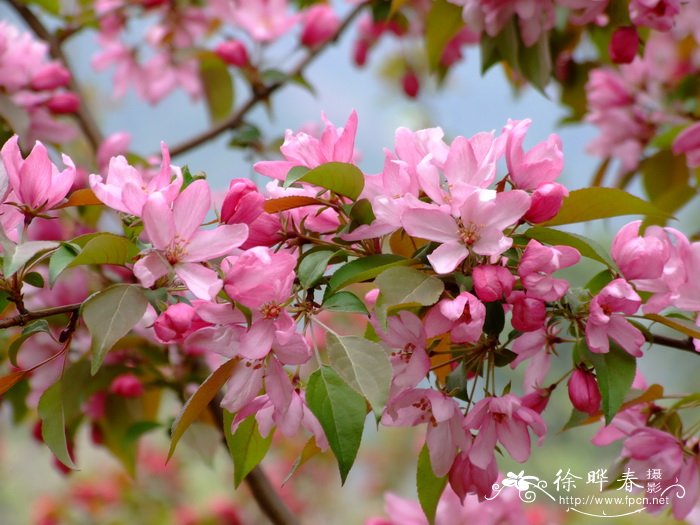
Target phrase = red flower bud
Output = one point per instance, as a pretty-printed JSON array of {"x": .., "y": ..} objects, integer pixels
[
  {"x": 623, "y": 45},
  {"x": 411, "y": 84},
  {"x": 233, "y": 52},
  {"x": 584, "y": 392}
]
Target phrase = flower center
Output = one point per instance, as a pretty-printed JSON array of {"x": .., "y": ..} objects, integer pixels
[
  {"x": 270, "y": 310},
  {"x": 470, "y": 232}
]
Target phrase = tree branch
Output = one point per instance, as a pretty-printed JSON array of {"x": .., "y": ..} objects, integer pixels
[
  {"x": 23, "y": 318},
  {"x": 259, "y": 95},
  {"x": 681, "y": 344},
  {"x": 259, "y": 484},
  {"x": 83, "y": 116}
]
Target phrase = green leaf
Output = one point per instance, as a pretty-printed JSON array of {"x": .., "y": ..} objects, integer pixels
[
  {"x": 50, "y": 6},
  {"x": 10, "y": 380},
  {"x": 35, "y": 327},
  {"x": 666, "y": 180},
  {"x": 289, "y": 203},
  {"x": 199, "y": 401},
  {"x": 313, "y": 266},
  {"x": 363, "y": 365},
  {"x": 339, "y": 177},
  {"x": 495, "y": 319},
  {"x": 536, "y": 62},
  {"x": 589, "y": 204},
  {"x": 443, "y": 22},
  {"x": 615, "y": 372},
  {"x": 34, "y": 279},
  {"x": 218, "y": 85},
  {"x": 296, "y": 173},
  {"x": 246, "y": 445},
  {"x": 17, "y": 256},
  {"x": 680, "y": 325},
  {"x": 361, "y": 213},
  {"x": 53, "y": 423},
  {"x": 110, "y": 315},
  {"x": 429, "y": 486},
  {"x": 406, "y": 287},
  {"x": 586, "y": 247},
  {"x": 599, "y": 281},
  {"x": 345, "y": 302},
  {"x": 364, "y": 269},
  {"x": 60, "y": 259},
  {"x": 341, "y": 412},
  {"x": 106, "y": 248}
]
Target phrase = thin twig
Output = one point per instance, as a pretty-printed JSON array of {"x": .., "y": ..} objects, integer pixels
[
  {"x": 259, "y": 95},
  {"x": 24, "y": 318},
  {"x": 264, "y": 493},
  {"x": 83, "y": 116},
  {"x": 681, "y": 344}
]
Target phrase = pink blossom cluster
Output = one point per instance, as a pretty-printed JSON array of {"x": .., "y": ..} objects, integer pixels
[{"x": 32, "y": 87}]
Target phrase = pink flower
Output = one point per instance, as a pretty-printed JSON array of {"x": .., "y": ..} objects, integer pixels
[
  {"x": 537, "y": 265},
  {"x": 467, "y": 478},
  {"x": 264, "y": 20},
  {"x": 623, "y": 45},
  {"x": 302, "y": 149},
  {"x": 319, "y": 24},
  {"x": 604, "y": 321},
  {"x": 656, "y": 14},
  {"x": 688, "y": 142},
  {"x": 528, "y": 312},
  {"x": 492, "y": 283},
  {"x": 177, "y": 322},
  {"x": 50, "y": 76},
  {"x": 505, "y": 420},
  {"x": 179, "y": 243},
  {"x": 127, "y": 385},
  {"x": 405, "y": 336},
  {"x": 36, "y": 181},
  {"x": 546, "y": 201},
  {"x": 127, "y": 189},
  {"x": 243, "y": 204},
  {"x": 445, "y": 433},
  {"x": 583, "y": 391},
  {"x": 541, "y": 165},
  {"x": 233, "y": 52},
  {"x": 63, "y": 103},
  {"x": 463, "y": 317},
  {"x": 641, "y": 257},
  {"x": 113, "y": 145},
  {"x": 537, "y": 346},
  {"x": 479, "y": 227}
]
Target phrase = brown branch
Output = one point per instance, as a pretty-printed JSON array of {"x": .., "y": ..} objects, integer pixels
[
  {"x": 23, "y": 318},
  {"x": 259, "y": 484},
  {"x": 83, "y": 116},
  {"x": 681, "y": 344},
  {"x": 263, "y": 93}
]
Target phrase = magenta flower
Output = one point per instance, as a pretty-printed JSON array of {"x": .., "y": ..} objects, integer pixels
[
  {"x": 303, "y": 149},
  {"x": 606, "y": 319},
  {"x": 656, "y": 14},
  {"x": 467, "y": 478},
  {"x": 127, "y": 189},
  {"x": 492, "y": 283},
  {"x": 478, "y": 228},
  {"x": 37, "y": 183},
  {"x": 445, "y": 433},
  {"x": 180, "y": 245},
  {"x": 538, "y": 264},
  {"x": 319, "y": 23},
  {"x": 583, "y": 391},
  {"x": 506, "y": 420}
]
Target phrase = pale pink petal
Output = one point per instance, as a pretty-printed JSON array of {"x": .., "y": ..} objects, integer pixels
[
  {"x": 515, "y": 438},
  {"x": 191, "y": 207},
  {"x": 210, "y": 244},
  {"x": 158, "y": 221},
  {"x": 150, "y": 268},
  {"x": 434, "y": 225},
  {"x": 446, "y": 257},
  {"x": 200, "y": 280},
  {"x": 257, "y": 341}
]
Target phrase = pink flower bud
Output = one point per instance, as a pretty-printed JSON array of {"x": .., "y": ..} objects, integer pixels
[
  {"x": 623, "y": 45},
  {"x": 492, "y": 283},
  {"x": 243, "y": 202},
  {"x": 63, "y": 103},
  {"x": 411, "y": 84},
  {"x": 176, "y": 323},
  {"x": 127, "y": 385},
  {"x": 688, "y": 142},
  {"x": 319, "y": 25},
  {"x": 528, "y": 313},
  {"x": 233, "y": 52},
  {"x": 583, "y": 391},
  {"x": 50, "y": 76},
  {"x": 371, "y": 297},
  {"x": 360, "y": 52},
  {"x": 537, "y": 400},
  {"x": 545, "y": 202}
]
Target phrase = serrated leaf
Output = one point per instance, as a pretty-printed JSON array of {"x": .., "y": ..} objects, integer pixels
[
  {"x": 246, "y": 445},
  {"x": 33, "y": 328},
  {"x": 217, "y": 84},
  {"x": 339, "y": 177},
  {"x": 364, "y": 269},
  {"x": 312, "y": 267},
  {"x": 341, "y": 412},
  {"x": 589, "y": 204},
  {"x": 53, "y": 423},
  {"x": 586, "y": 247},
  {"x": 615, "y": 372},
  {"x": 199, "y": 401},
  {"x": 106, "y": 248},
  {"x": 428, "y": 485},
  {"x": 363, "y": 365},
  {"x": 289, "y": 203},
  {"x": 345, "y": 302},
  {"x": 16, "y": 256},
  {"x": 443, "y": 22},
  {"x": 110, "y": 315}
]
